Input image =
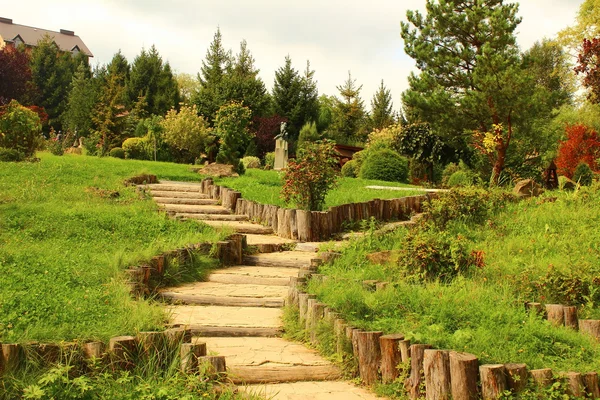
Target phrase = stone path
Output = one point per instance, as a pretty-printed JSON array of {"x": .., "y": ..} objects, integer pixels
[{"x": 237, "y": 312}]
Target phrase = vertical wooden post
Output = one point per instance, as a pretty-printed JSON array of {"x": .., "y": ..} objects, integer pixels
[
  {"x": 417, "y": 353},
  {"x": 590, "y": 382},
  {"x": 556, "y": 314},
  {"x": 464, "y": 375},
  {"x": 590, "y": 326},
  {"x": 516, "y": 376},
  {"x": 93, "y": 350},
  {"x": 369, "y": 356},
  {"x": 123, "y": 351},
  {"x": 214, "y": 366},
  {"x": 574, "y": 384},
  {"x": 189, "y": 353},
  {"x": 436, "y": 368},
  {"x": 404, "y": 350},
  {"x": 493, "y": 381},
  {"x": 13, "y": 356},
  {"x": 390, "y": 356},
  {"x": 570, "y": 317},
  {"x": 542, "y": 377},
  {"x": 340, "y": 335}
]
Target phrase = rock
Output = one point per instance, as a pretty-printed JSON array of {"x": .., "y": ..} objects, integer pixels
[
  {"x": 217, "y": 170},
  {"x": 527, "y": 188},
  {"x": 566, "y": 183}
]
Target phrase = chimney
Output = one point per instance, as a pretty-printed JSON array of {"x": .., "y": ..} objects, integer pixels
[
  {"x": 66, "y": 32},
  {"x": 6, "y": 20}
]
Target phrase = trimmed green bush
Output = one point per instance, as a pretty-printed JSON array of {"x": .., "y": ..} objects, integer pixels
[
  {"x": 385, "y": 165},
  {"x": 117, "y": 152},
  {"x": 135, "y": 148},
  {"x": 270, "y": 160},
  {"x": 10, "y": 155},
  {"x": 449, "y": 170},
  {"x": 460, "y": 178},
  {"x": 251, "y": 162},
  {"x": 349, "y": 169},
  {"x": 583, "y": 174},
  {"x": 20, "y": 128}
]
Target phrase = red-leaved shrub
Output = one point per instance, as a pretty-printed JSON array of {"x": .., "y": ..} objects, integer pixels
[{"x": 582, "y": 145}]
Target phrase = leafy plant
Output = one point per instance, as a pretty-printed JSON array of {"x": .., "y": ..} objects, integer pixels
[
  {"x": 231, "y": 126},
  {"x": 251, "y": 162},
  {"x": 11, "y": 155},
  {"x": 308, "y": 179},
  {"x": 135, "y": 148},
  {"x": 117, "y": 152},
  {"x": 582, "y": 145},
  {"x": 270, "y": 160},
  {"x": 185, "y": 131},
  {"x": 583, "y": 174},
  {"x": 349, "y": 169},
  {"x": 20, "y": 128},
  {"x": 385, "y": 165}
]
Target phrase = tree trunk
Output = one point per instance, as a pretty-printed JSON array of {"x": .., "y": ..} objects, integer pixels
[
  {"x": 369, "y": 356},
  {"x": 493, "y": 381},
  {"x": 413, "y": 384},
  {"x": 574, "y": 384},
  {"x": 390, "y": 357},
  {"x": 464, "y": 375},
  {"x": 570, "y": 313},
  {"x": 436, "y": 367}
]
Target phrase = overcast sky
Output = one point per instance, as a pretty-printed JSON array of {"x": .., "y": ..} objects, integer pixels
[{"x": 337, "y": 36}]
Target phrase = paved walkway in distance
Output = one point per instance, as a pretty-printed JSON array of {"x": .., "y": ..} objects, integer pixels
[
  {"x": 237, "y": 312},
  {"x": 405, "y": 189}
]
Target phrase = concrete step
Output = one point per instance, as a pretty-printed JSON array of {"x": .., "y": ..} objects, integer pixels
[
  {"x": 328, "y": 390},
  {"x": 189, "y": 209},
  {"x": 290, "y": 259},
  {"x": 212, "y": 217},
  {"x": 227, "y": 321},
  {"x": 184, "y": 201},
  {"x": 269, "y": 243},
  {"x": 224, "y": 294},
  {"x": 254, "y": 275},
  {"x": 266, "y": 360},
  {"x": 241, "y": 227},
  {"x": 184, "y": 195},
  {"x": 175, "y": 187}
]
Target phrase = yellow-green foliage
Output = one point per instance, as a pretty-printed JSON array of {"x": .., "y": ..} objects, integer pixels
[{"x": 20, "y": 128}]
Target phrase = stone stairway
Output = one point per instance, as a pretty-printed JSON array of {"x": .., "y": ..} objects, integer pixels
[{"x": 237, "y": 313}]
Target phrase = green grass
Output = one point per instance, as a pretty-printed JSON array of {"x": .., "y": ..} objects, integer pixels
[
  {"x": 532, "y": 252},
  {"x": 264, "y": 187},
  {"x": 63, "y": 247}
]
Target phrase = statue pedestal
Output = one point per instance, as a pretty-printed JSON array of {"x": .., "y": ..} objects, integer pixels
[{"x": 281, "y": 154}]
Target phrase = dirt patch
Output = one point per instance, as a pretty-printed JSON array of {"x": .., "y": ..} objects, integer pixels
[
  {"x": 140, "y": 180},
  {"x": 103, "y": 193},
  {"x": 217, "y": 170}
]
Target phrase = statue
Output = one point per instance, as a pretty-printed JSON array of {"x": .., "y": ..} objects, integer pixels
[
  {"x": 281, "y": 148},
  {"x": 283, "y": 133}
]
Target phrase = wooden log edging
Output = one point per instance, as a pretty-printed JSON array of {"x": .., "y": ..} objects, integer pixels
[
  {"x": 434, "y": 374},
  {"x": 314, "y": 226}
]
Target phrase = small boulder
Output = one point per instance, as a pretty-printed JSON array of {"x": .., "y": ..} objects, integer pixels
[
  {"x": 527, "y": 188},
  {"x": 217, "y": 170}
]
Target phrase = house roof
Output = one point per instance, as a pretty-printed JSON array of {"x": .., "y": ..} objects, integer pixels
[{"x": 65, "y": 40}]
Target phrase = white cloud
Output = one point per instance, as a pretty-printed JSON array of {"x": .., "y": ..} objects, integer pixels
[{"x": 335, "y": 35}]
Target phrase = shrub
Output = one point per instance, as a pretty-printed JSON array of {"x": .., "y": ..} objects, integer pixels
[
  {"x": 251, "y": 162},
  {"x": 465, "y": 204},
  {"x": 135, "y": 148},
  {"x": 307, "y": 179},
  {"x": 10, "y": 155},
  {"x": 117, "y": 152},
  {"x": 432, "y": 254},
  {"x": 231, "y": 126},
  {"x": 308, "y": 134},
  {"x": 385, "y": 165},
  {"x": 20, "y": 128},
  {"x": 270, "y": 160},
  {"x": 349, "y": 169},
  {"x": 185, "y": 131},
  {"x": 54, "y": 144},
  {"x": 448, "y": 171},
  {"x": 460, "y": 178},
  {"x": 582, "y": 145},
  {"x": 583, "y": 174}
]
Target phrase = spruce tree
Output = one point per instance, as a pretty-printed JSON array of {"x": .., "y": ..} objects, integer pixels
[
  {"x": 287, "y": 96},
  {"x": 381, "y": 108},
  {"x": 309, "y": 96},
  {"x": 81, "y": 103},
  {"x": 349, "y": 115}
]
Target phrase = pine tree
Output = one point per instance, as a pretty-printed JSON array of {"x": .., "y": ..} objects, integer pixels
[
  {"x": 214, "y": 68},
  {"x": 381, "y": 108},
  {"x": 120, "y": 67},
  {"x": 287, "y": 96},
  {"x": 152, "y": 81},
  {"x": 109, "y": 115},
  {"x": 51, "y": 73},
  {"x": 81, "y": 103},
  {"x": 349, "y": 116}
]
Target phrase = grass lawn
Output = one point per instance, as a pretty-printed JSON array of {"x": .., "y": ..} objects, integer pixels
[
  {"x": 264, "y": 187},
  {"x": 63, "y": 247},
  {"x": 533, "y": 251}
]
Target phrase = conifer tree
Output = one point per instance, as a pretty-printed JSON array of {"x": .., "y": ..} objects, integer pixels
[
  {"x": 349, "y": 116},
  {"x": 309, "y": 96},
  {"x": 286, "y": 97},
  {"x": 81, "y": 103},
  {"x": 381, "y": 108}
]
